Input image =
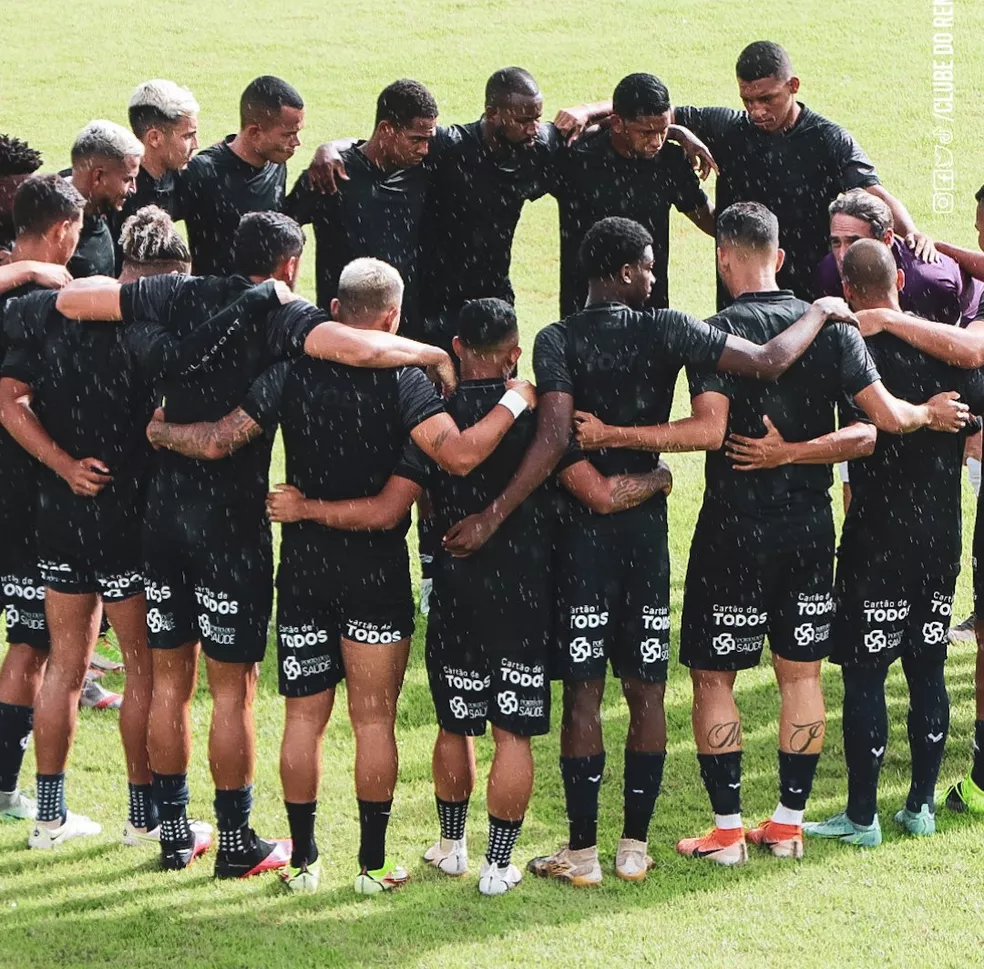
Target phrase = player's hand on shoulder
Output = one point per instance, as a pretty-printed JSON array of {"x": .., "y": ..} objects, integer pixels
[
  {"x": 947, "y": 412},
  {"x": 50, "y": 276},
  {"x": 327, "y": 169},
  {"x": 468, "y": 535},
  {"x": 284, "y": 293},
  {"x": 698, "y": 154},
  {"x": 525, "y": 389},
  {"x": 836, "y": 310},
  {"x": 571, "y": 123},
  {"x": 590, "y": 431},
  {"x": 285, "y": 504},
  {"x": 871, "y": 322},
  {"x": 86, "y": 477},
  {"x": 922, "y": 246},
  {"x": 444, "y": 376},
  {"x": 664, "y": 469}
]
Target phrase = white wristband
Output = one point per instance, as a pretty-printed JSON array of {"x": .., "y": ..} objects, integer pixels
[{"x": 514, "y": 401}]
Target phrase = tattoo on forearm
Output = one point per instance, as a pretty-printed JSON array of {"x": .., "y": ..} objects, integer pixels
[
  {"x": 441, "y": 438},
  {"x": 723, "y": 735},
  {"x": 804, "y": 735},
  {"x": 628, "y": 491},
  {"x": 207, "y": 440}
]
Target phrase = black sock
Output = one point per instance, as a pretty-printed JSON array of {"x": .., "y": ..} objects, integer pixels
[
  {"x": 582, "y": 782},
  {"x": 796, "y": 773},
  {"x": 928, "y": 725},
  {"x": 721, "y": 774},
  {"x": 15, "y": 730},
  {"x": 143, "y": 812},
  {"x": 232, "y": 810},
  {"x": 865, "y": 738},
  {"x": 171, "y": 798},
  {"x": 502, "y": 840},
  {"x": 51, "y": 797},
  {"x": 977, "y": 771},
  {"x": 452, "y": 815},
  {"x": 428, "y": 542},
  {"x": 301, "y": 819},
  {"x": 373, "y": 819},
  {"x": 643, "y": 777}
]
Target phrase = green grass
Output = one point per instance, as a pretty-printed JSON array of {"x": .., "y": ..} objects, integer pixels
[{"x": 906, "y": 904}]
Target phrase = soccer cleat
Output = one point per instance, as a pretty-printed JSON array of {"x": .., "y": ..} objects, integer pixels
[
  {"x": 175, "y": 857},
  {"x": 964, "y": 632},
  {"x": 303, "y": 880},
  {"x": 103, "y": 664},
  {"x": 493, "y": 880},
  {"x": 17, "y": 806},
  {"x": 841, "y": 828},
  {"x": 74, "y": 826},
  {"x": 96, "y": 697},
  {"x": 783, "y": 840},
  {"x": 965, "y": 797},
  {"x": 580, "y": 867},
  {"x": 259, "y": 857},
  {"x": 631, "y": 861},
  {"x": 384, "y": 879},
  {"x": 723, "y": 846},
  {"x": 426, "y": 588},
  {"x": 133, "y": 836},
  {"x": 450, "y": 857},
  {"x": 921, "y": 823}
]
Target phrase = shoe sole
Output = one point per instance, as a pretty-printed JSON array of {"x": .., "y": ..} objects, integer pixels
[
  {"x": 635, "y": 877},
  {"x": 725, "y": 862},
  {"x": 578, "y": 881},
  {"x": 447, "y": 874}
]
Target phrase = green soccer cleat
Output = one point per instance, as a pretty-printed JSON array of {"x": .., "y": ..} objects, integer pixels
[
  {"x": 966, "y": 797},
  {"x": 303, "y": 880},
  {"x": 841, "y": 828},
  {"x": 921, "y": 823},
  {"x": 384, "y": 879}
]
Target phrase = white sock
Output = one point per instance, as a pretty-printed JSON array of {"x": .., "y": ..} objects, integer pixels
[
  {"x": 727, "y": 822},
  {"x": 785, "y": 815}
]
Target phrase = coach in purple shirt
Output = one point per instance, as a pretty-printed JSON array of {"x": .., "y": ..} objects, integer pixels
[{"x": 933, "y": 290}]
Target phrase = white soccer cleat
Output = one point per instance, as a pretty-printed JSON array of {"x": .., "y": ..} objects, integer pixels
[
  {"x": 450, "y": 857},
  {"x": 493, "y": 880},
  {"x": 133, "y": 837},
  {"x": 17, "y": 806},
  {"x": 75, "y": 826},
  {"x": 577, "y": 867},
  {"x": 631, "y": 861}
]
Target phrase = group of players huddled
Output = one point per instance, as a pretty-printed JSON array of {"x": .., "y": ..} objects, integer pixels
[{"x": 140, "y": 407}]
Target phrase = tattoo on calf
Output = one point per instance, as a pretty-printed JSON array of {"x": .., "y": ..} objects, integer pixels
[
  {"x": 804, "y": 735},
  {"x": 723, "y": 735}
]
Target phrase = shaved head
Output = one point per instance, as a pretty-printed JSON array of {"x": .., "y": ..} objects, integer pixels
[{"x": 870, "y": 269}]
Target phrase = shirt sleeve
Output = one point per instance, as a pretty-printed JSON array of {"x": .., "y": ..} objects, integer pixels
[
  {"x": 550, "y": 361},
  {"x": 711, "y": 125},
  {"x": 23, "y": 324},
  {"x": 262, "y": 402},
  {"x": 415, "y": 465},
  {"x": 288, "y": 328},
  {"x": 303, "y": 201},
  {"x": 694, "y": 341},
  {"x": 855, "y": 168},
  {"x": 857, "y": 369},
  {"x": 417, "y": 397},
  {"x": 702, "y": 380},
  {"x": 688, "y": 196},
  {"x": 150, "y": 299}
]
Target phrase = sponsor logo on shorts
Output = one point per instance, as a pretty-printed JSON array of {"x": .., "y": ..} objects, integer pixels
[
  {"x": 371, "y": 633},
  {"x": 522, "y": 676},
  {"x": 726, "y": 643},
  {"x": 120, "y": 586},
  {"x": 508, "y": 702},
  {"x": 886, "y": 610},
  {"x": 654, "y": 650},
  {"x": 159, "y": 622},
  {"x": 468, "y": 680},
  {"x": 656, "y": 619},
  {"x": 583, "y": 649},
  {"x": 739, "y": 617},
  {"x": 299, "y": 637},
  {"x": 875, "y": 641},
  {"x": 294, "y": 668},
  {"x": 47, "y": 565},
  {"x": 458, "y": 707},
  {"x": 941, "y": 605},
  {"x": 217, "y": 603},
  {"x": 462, "y": 709},
  {"x": 219, "y": 635},
  {"x": 158, "y": 593},
  {"x": 934, "y": 633},
  {"x": 22, "y": 588},
  {"x": 588, "y": 617},
  {"x": 820, "y": 604}
]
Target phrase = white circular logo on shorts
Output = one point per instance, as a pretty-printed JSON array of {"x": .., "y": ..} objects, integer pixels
[
  {"x": 934, "y": 633},
  {"x": 651, "y": 651},
  {"x": 875, "y": 641},
  {"x": 580, "y": 649},
  {"x": 805, "y": 634},
  {"x": 13, "y": 615},
  {"x": 458, "y": 707},
  {"x": 508, "y": 703},
  {"x": 723, "y": 644},
  {"x": 292, "y": 668},
  {"x": 205, "y": 625}
]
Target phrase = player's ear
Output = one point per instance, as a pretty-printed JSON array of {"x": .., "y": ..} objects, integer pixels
[
  {"x": 900, "y": 280},
  {"x": 625, "y": 274},
  {"x": 333, "y": 308},
  {"x": 514, "y": 354},
  {"x": 457, "y": 346},
  {"x": 794, "y": 84},
  {"x": 153, "y": 138},
  {"x": 780, "y": 258},
  {"x": 393, "y": 319}
]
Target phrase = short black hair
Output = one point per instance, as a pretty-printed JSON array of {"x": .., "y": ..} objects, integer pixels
[
  {"x": 979, "y": 196},
  {"x": 402, "y": 101},
  {"x": 44, "y": 200},
  {"x": 484, "y": 324},
  {"x": 611, "y": 244},
  {"x": 17, "y": 157},
  {"x": 263, "y": 241},
  {"x": 510, "y": 82},
  {"x": 763, "y": 59},
  {"x": 264, "y": 97},
  {"x": 870, "y": 267},
  {"x": 748, "y": 225},
  {"x": 640, "y": 96}
]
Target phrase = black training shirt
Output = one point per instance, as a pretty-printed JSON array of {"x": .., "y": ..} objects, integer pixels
[
  {"x": 802, "y": 403},
  {"x": 164, "y": 192},
  {"x": 95, "y": 255},
  {"x": 593, "y": 181},
  {"x": 796, "y": 174},
  {"x": 218, "y": 189},
  {"x": 344, "y": 431}
]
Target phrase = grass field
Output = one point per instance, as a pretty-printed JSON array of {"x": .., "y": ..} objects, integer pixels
[{"x": 907, "y": 904}]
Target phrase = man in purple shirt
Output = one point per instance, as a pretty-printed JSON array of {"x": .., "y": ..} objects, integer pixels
[{"x": 933, "y": 290}]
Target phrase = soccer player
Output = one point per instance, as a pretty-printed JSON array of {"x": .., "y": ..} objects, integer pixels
[
  {"x": 933, "y": 290},
  {"x": 207, "y": 545},
  {"x": 18, "y": 161},
  {"x": 377, "y": 209},
  {"x": 627, "y": 169},
  {"x": 897, "y": 568},
  {"x": 105, "y": 161},
  {"x": 73, "y": 399},
  {"x": 344, "y": 605},
  {"x": 47, "y": 216},
  {"x": 762, "y": 555},
  {"x": 782, "y": 154},
  {"x": 247, "y": 172},
  {"x": 164, "y": 116}
]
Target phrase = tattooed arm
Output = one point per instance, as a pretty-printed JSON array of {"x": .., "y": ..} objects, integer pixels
[
  {"x": 607, "y": 496},
  {"x": 206, "y": 440}
]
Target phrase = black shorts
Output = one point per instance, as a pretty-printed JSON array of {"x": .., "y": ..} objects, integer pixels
[
  {"x": 883, "y": 615},
  {"x": 488, "y": 639},
  {"x": 208, "y": 578},
  {"x": 747, "y": 580},
  {"x": 116, "y": 577},
  {"x": 23, "y": 593},
  {"x": 613, "y": 596},
  {"x": 367, "y": 602}
]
